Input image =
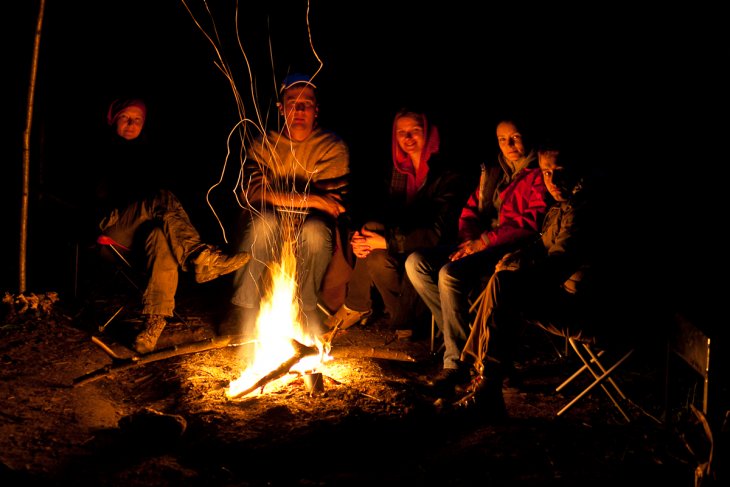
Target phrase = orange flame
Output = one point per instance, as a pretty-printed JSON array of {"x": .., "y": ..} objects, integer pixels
[{"x": 277, "y": 324}]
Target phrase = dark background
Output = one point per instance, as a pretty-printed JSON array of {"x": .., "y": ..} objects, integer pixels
[{"x": 635, "y": 88}]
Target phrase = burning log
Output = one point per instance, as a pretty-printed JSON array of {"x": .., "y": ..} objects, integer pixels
[
  {"x": 119, "y": 364},
  {"x": 300, "y": 351}
]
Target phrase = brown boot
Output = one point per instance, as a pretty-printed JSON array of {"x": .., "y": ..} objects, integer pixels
[
  {"x": 147, "y": 340},
  {"x": 212, "y": 263},
  {"x": 484, "y": 395}
]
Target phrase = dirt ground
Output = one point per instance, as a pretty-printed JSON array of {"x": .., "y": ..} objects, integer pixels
[{"x": 170, "y": 422}]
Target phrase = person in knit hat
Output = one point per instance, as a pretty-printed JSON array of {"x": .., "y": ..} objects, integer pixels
[
  {"x": 127, "y": 116},
  {"x": 145, "y": 220}
]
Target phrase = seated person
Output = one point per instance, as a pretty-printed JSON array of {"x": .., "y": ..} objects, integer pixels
[
  {"x": 504, "y": 211},
  {"x": 530, "y": 279},
  {"x": 424, "y": 195},
  {"x": 295, "y": 182},
  {"x": 140, "y": 215}
]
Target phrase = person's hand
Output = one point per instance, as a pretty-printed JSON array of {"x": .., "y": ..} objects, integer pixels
[
  {"x": 360, "y": 246},
  {"x": 329, "y": 203},
  {"x": 514, "y": 260},
  {"x": 506, "y": 265},
  {"x": 365, "y": 241},
  {"x": 374, "y": 239},
  {"x": 468, "y": 247}
]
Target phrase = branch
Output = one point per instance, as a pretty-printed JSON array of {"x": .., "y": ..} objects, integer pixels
[{"x": 118, "y": 364}]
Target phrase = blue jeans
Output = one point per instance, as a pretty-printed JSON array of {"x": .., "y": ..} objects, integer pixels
[
  {"x": 446, "y": 286},
  {"x": 265, "y": 232}
]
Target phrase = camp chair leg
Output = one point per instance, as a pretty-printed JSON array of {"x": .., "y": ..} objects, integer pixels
[
  {"x": 433, "y": 333},
  {"x": 576, "y": 374},
  {"x": 599, "y": 378},
  {"x": 111, "y": 318},
  {"x": 594, "y": 358}
]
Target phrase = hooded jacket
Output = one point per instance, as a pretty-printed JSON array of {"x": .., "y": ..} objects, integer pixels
[{"x": 509, "y": 211}]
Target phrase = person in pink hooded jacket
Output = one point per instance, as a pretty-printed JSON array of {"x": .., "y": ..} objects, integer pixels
[{"x": 424, "y": 195}]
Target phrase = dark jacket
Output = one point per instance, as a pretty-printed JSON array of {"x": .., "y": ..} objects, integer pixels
[
  {"x": 431, "y": 217},
  {"x": 124, "y": 171},
  {"x": 567, "y": 243}
]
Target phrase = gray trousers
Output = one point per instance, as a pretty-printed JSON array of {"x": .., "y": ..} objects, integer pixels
[{"x": 160, "y": 229}]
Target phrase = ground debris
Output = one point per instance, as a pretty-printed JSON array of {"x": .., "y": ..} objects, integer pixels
[{"x": 24, "y": 306}]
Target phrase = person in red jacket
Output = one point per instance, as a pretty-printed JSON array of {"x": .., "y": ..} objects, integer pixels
[{"x": 505, "y": 211}]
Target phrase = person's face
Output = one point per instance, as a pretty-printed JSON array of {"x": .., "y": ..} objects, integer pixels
[
  {"x": 510, "y": 141},
  {"x": 410, "y": 137},
  {"x": 557, "y": 178},
  {"x": 299, "y": 107},
  {"x": 130, "y": 122}
]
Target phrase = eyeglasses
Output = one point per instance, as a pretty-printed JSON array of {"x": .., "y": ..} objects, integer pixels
[{"x": 299, "y": 104}]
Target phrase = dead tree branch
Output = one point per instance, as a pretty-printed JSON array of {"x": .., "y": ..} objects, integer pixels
[{"x": 119, "y": 364}]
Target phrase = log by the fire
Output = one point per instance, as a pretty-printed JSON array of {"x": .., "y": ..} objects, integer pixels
[
  {"x": 300, "y": 351},
  {"x": 370, "y": 352},
  {"x": 118, "y": 364}
]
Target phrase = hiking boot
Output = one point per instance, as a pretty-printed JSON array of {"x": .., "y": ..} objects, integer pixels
[
  {"x": 484, "y": 395},
  {"x": 445, "y": 382},
  {"x": 213, "y": 263},
  {"x": 147, "y": 340},
  {"x": 347, "y": 317}
]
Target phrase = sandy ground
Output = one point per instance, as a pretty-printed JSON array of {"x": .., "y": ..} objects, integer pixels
[{"x": 170, "y": 422}]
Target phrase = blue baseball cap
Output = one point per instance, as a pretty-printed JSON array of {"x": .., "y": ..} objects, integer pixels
[{"x": 296, "y": 79}]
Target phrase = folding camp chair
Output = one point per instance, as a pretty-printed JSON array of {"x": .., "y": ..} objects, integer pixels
[
  {"x": 122, "y": 267},
  {"x": 125, "y": 269},
  {"x": 602, "y": 345},
  {"x": 600, "y": 372}
]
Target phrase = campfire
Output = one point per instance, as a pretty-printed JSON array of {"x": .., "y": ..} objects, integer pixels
[{"x": 282, "y": 345}]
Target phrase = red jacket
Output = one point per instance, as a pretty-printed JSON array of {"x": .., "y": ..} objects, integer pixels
[{"x": 520, "y": 214}]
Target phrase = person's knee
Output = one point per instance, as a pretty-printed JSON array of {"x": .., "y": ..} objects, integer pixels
[
  {"x": 316, "y": 236},
  {"x": 260, "y": 234},
  {"x": 374, "y": 226},
  {"x": 163, "y": 199},
  {"x": 378, "y": 259},
  {"x": 413, "y": 265},
  {"x": 446, "y": 276}
]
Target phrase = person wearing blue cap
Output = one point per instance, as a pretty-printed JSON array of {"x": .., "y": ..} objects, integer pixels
[{"x": 295, "y": 180}]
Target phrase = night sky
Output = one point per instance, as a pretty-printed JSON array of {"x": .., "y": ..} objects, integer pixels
[{"x": 624, "y": 83}]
